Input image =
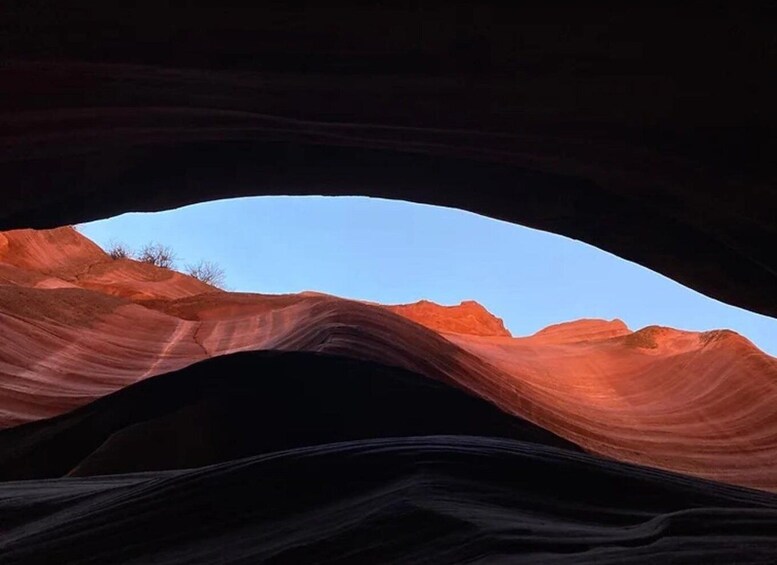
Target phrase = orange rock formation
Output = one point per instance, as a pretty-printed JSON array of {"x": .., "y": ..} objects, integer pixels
[{"x": 77, "y": 325}]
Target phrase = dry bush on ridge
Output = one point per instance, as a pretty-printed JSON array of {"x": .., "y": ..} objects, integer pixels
[
  {"x": 118, "y": 250},
  {"x": 207, "y": 272},
  {"x": 163, "y": 256},
  {"x": 157, "y": 254}
]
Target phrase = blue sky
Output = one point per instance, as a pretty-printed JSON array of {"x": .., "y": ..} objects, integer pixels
[{"x": 396, "y": 252}]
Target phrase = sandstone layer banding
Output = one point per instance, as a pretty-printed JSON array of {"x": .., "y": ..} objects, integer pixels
[{"x": 79, "y": 325}]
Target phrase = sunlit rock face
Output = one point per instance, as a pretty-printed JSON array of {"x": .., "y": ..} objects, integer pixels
[
  {"x": 62, "y": 258},
  {"x": 468, "y": 317},
  {"x": 581, "y": 330},
  {"x": 78, "y": 325}
]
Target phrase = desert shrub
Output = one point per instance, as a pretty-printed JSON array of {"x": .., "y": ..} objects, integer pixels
[
  {"x": 164, "y": 256},
  {"x": 118, "y": 250},
  {"x": 157, "y": 254},
  {"x": 207, "y": 272}
]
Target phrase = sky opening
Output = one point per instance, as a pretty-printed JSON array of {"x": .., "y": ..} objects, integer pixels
[{"x": 397, "y": 252}]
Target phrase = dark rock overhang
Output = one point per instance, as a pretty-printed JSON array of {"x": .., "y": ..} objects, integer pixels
[{"x": 650, "y": 135}]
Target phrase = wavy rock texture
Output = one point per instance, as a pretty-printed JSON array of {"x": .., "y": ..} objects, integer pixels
[
  {"x": 443, "y": 499},
  {"x": 220, "y": 409},
  {"x": 698, "y": 403},
  {"x": 302, "y": 458}
]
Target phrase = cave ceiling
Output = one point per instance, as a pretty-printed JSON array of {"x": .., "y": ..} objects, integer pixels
[{"x": 649, "y": 134}]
